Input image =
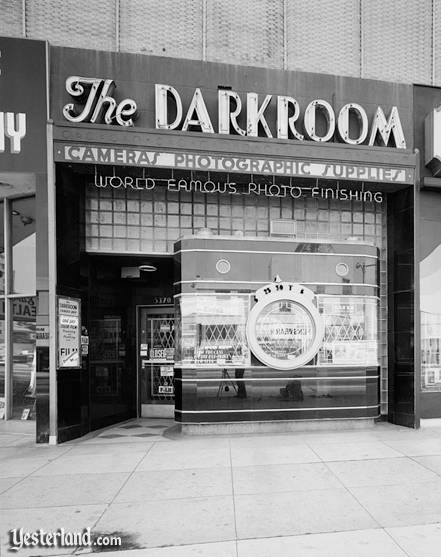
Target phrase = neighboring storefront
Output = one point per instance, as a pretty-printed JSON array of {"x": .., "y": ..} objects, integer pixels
[
  {"x": 427, "y": 102},
  {"x": 23, "y": 115},
  {"x": 233, "y": 244}
]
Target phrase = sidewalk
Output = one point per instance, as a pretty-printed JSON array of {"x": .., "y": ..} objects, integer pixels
[{"x": 355, "y": 493}]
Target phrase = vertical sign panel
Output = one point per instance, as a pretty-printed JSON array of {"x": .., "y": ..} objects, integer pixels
[
  {"x": 23, "y": 106},
  {"x": 69, "y": 332}
]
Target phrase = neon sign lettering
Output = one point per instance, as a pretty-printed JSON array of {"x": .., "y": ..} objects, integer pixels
[
  {"x": 96, "y": 95},
  {"x": 98, "y": 105},
  {"x": 13, "y": 127},
  {"x": 232, "y": 188},
  {"x": 383, "y": 129}
]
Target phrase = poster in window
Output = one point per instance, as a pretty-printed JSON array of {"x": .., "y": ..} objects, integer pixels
[{"x": 69, "y": 332}]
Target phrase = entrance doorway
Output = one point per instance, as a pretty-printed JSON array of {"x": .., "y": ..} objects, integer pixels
[
  {"x": 156, "y": 353},
  {"x": 129, "y": 319}
]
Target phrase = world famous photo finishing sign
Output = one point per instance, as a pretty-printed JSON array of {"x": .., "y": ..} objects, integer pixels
[
  {"x": 284, "y": 328},
  {"x": 69, "y": 332}
]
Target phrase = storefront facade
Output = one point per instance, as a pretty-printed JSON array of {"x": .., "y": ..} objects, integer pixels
[
  {"x": 233, "y": 245},
  {"x": 428, "y": 218},
  {"x": 22, "y": 179}
]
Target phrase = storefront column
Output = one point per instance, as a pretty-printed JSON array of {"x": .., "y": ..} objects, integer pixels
[
  {"x": 417, "y": 290},
  {"x": 52, "y": 264},
  {"x": 8, "y": 308}
]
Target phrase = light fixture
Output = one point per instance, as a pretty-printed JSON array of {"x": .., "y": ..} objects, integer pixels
[
  {"x": 147, "y": 268},
  {"x": 26, "y": 220},
  {"x": 15, "y": 213}
]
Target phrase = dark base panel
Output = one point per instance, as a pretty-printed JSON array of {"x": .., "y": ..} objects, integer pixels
[
  {"x": 430, "y": 405},
  {"x": 42, "y": 420},
  {"x": 401, "y": 418},
  {"x": 70, "y": 433},
  {"x": 42, "y": 399},
  {"x": 106, "y": 421},
  {"x": 211, "y": 417},
  {"x": 42, "y": 438}
]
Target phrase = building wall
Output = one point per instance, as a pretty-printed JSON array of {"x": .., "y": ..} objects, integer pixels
[
  {"x": 395, "y": 40},
  {"x": 428, "y": 255}
]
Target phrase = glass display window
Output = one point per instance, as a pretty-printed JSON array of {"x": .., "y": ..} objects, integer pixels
[
  {"x": 108, "y": 342},
  {"x": 212, "y": 327},
  {"x": 212, "y": 330},
  {"x": 18, "y": 288},
  {"x": 2, "y": 317},
  {"x": 430, "y": 292},
  {"x": 23, "y": 245},
  {"x": 2, "y": 250},
  {"x": 284, "y": 330},
  {"x": 430, "y": 351},
  {"x": 24, "y": 312},
  {"x": 351, "y": 331},
  {"x": 106, "y": 353}
]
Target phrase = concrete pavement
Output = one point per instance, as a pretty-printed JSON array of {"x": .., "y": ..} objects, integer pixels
[{"x": 354, "y": 493}]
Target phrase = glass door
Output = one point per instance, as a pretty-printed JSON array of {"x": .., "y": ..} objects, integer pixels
[{"x": 156, "y": 358}]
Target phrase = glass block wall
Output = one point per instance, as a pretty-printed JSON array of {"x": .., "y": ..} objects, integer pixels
[{"x": 150, "y": 221}]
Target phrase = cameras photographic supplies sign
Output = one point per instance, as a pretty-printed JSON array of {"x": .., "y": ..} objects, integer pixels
[
  {"x": 123, "y": 156},
  {"x": 69, "y": 332},
  {"x": 284, "y": 328}
]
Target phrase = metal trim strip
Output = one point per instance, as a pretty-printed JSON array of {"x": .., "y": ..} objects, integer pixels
[
  {"x": 257, "y": 379},
  {"x": 275, "y": 410},
  {"x": 370, "y": 296},
  {"x": 263, "y": 252},
  {"x": 266, "y": 282}
]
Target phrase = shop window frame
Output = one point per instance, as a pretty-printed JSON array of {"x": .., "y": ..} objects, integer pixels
[{"x": 8, "y": 296}]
